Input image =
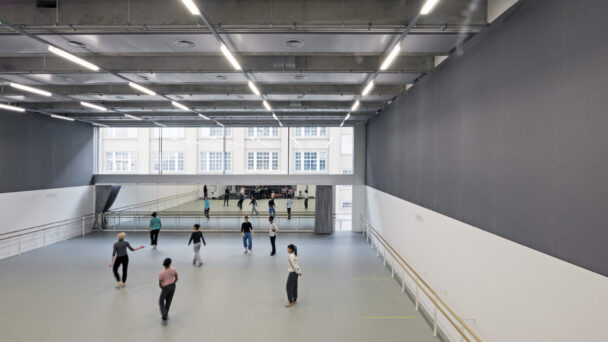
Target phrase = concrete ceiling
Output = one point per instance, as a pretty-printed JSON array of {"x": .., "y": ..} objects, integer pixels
[{"x": 310, "y": 59}]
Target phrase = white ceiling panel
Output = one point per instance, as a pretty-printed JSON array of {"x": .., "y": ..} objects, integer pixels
[
  {"x": 214, "y": 97},
  {"x": 121, "y": 97},
  {"x": 182, "y": 77},
  {"x": 76, "y": 78},
  {"x": 329, "y": 77}
]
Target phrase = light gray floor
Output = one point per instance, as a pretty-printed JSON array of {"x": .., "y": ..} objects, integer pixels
[{"x": 64, "y": 292}]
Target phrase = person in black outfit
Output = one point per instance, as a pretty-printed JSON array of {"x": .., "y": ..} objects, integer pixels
[
  {"x": 226, "y": 196},
  {"x": 246, "y": 232},
  {"x": 197, "y": 237},
  {"x": 240, "y": 202},
  {"x": 122, "y": 258},
  {"x": 306, "y": 199}
]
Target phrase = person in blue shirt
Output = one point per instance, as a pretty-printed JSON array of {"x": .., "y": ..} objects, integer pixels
[
  {"x": 207, "y": 207},
  {"x": 154, "y": 229}
]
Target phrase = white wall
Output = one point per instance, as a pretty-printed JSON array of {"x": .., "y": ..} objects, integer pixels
[
  {"x": 513, "y": 292},
  {"x": 20, "y": 210}
]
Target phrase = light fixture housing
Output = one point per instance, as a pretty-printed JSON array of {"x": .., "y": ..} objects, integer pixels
[
  {"x": 254, "y": 89},
  {"x": 355, "y": 106},
  {"x": 180, "y": 106},
  {"x": 191, "y": 7},
  {"x": 133, "y": 117},
  {"x": 93, "y": 106},
  {"x": 230, "y": 57},
  {"x": 368, "y": 88},
  {"x": 428, "y": 6},
  {"x": 13, "y": 108},
  {"x": 391, "y": 56},
  {"x": 30, "y": 89},
  {"x": 72, "y": 58},
  {"x": 61, "y": 117},
  {"x": 142, "y": 89},
  {"x": 267, "y": 105}
]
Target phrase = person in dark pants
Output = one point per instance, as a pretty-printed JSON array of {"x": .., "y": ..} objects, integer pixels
[
  {"x": 253, "y": 203},
  {"x": 226, "y": 196},
  {"x": 154, "y": 229},
  {"x": 246, "y": 232},
  {"x": 197, "y": 237},
  {"x": 271, "y": 211},
  {"x": 205, "y": 191},
  {"x": 166, "y": 281},
  {"x": 240, "y": 202},
  {"x": 272, "y": 232},
  {"x": 289, "y": 204},
  {"x": 292, "y": 278},
  {"x": 120, "y": 257},
  {"x": 306, "y": 199}
]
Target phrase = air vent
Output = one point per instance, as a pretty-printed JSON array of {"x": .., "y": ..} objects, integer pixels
[
  {"x": 76, "y": 44},
  {"x": 143, "y": 78},
  {"x": 285, "y": 63},
  {"x": 185, "y": 44},
  {"x": 294, "y": 43},
  {"x": 300, "y": 77},
  {"x": 221, "y": 77}
]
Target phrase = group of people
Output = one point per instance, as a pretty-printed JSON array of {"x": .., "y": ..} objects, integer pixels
[{"x": 168, "y": 276}]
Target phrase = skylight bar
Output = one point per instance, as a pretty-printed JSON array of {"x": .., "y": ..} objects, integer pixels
[
  {"x": 13, "y": 108},
  {"x": 94, "y": 106},
  {"x": 30, "y": 89},
  {"x": 61, "y": 117},
  {"x": 230, "y": 57},
  {"x": 391, "y": 56},
  {"x": 73, "y": 58},
  {"x": 142, "y": 89}
]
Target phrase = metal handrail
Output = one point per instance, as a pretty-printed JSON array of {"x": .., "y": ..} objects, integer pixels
[
  {"x": 162, "y": 214},
  {"x": 153, "y": 201},
  {"x": 405, "y": 266},
  {"x": 56, "y": 223}
]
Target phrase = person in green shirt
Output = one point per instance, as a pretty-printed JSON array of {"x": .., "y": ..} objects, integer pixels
[{"x": 154, "y": 229}]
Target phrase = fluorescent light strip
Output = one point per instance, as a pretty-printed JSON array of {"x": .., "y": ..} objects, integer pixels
[
  {"x": 275, "y": 116},
  {"x": 99, "y": 124},
  {"x": 133, "y": 117},
  {"x": 368, "y": 88},
  {"x": 266, "y": 105},
  {"x": 347, "y": 117},
  {"x": 159, "y": 124},
  {"x": 13, "y": 108},
  {"x": 191, "y": 7},
  {"x": 219, "y": 124},
  {"x": 61, "y": 117},
  {"x": 391, "y": 56},
  {"x": 92, "y": 105},
  {"x": 280, "y": 124},
  {"x": 142, "y": 89},
  {"x": 254, "y": 89},
  {"x": 230, "y": 57},
  {"x": 180, "y": 106},
  {"x": 73, "y": 58},
  {"x": 342, "y": 124},
  {"x": 355, "y": 106},
  {"x": 428, "y": 6},
  {"x": 203, "y": 116},
  {"x": 30, "y": 89}
]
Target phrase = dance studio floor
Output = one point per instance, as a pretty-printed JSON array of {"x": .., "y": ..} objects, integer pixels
[{"x": 65, "y": 292}]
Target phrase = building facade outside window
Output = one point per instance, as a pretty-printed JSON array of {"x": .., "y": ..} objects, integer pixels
[
  {"x": 262, "y": 132},
  {"x": 311, "y": 161},
  {"x": 215, "y": 132},
  {"x": 311, "y": 131},
  {"x": 121, "y": 161},
  {"x": 171, "y": 161},
  {"x": 258, "y": 161},
  {"x": 170, "y": 132},
  {"x": 121, "y": 132},
  {"x": 212, "y": 161}
]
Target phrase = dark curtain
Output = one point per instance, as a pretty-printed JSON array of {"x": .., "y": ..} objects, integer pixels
[{"x": 324, "y": 209}]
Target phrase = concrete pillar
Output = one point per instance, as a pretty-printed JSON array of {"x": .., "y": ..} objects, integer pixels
[{"x": 359, "y": 200}]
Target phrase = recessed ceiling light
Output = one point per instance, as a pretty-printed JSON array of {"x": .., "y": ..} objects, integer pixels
[
  {"x": 221, "y": 77},
  {"x": 294, "y": 43},
  {"x": 186, "y": 44},
  {"x": 76, "y": 44},
  {"x": 300, "y": 77}
]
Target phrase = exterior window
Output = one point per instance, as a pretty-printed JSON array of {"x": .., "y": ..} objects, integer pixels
[
  {"x": 311, "y": 131},
  {"x": 212, "y": 161},
  {"x": 346, "y": 205},
  {"x": 121, "y": 161},
  {"x": 172, "y": 161},
  {"x": 263, "y": 132},
  {"x": 121, "y": 132},
  {"x": 215, "y": 132},
  {"x": 346, "y": 146},
  {"x": 170, "y": 132},
  {"x": 263, "y": 161},
  {"x": 228, "y": 161},
  {"x": 347, "y": 171},
  {"x": 311, "y": 161}
]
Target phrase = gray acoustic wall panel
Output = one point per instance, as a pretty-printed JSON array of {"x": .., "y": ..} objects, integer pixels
[
  {"x": 511, "y": 136},
  {"x": 42, "y": 153}
]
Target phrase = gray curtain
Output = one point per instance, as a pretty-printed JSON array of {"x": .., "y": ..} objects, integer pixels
[
  {"x": 324, "y": 209},
  {"x": 102, "y": 194}
]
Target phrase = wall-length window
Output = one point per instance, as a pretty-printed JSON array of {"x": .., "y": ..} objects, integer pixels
[{"x": 121, "y": 161}]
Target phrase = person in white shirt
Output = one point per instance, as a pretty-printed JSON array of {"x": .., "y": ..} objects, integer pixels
[
  {"x": 272, "y": 232},
  {"x": 292, "y": 278},
  {"x": 289, "y": 204}
]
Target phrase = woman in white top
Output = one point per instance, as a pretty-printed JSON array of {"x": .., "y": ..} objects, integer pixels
[
  {"x": 272, "y": 232},
  {"x": 292, "y": 278}
]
